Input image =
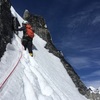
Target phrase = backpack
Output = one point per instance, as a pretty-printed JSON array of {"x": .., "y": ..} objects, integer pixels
[{"x": 29, "y": 30}]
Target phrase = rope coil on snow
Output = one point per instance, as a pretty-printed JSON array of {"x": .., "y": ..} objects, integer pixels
[{"x": 1, "y": 85}]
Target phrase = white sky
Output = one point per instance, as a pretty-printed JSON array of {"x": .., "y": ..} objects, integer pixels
[{"x": 41, "y": 77}]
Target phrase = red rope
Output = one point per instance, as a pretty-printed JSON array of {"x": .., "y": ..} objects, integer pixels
[{"x": 1, "y": 85}]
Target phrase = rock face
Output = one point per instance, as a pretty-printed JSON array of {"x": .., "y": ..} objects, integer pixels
[
  {"x": 40, "y": 28},
  {"x": 94, "y": 93},
  {"x": 5, "y": 25}
]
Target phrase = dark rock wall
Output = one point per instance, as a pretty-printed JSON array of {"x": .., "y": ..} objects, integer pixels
[
  {"x": 38, "y": 24},
  {"x": 5, "y": 25}
]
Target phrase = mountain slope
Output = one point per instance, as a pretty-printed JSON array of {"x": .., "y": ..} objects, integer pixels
[
  {"x": 41, "y": 77},
  {"x": 39, "y": 24}
]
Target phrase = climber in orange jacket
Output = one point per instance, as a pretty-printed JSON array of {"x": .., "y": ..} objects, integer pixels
[{"x": 28, "y": 34}]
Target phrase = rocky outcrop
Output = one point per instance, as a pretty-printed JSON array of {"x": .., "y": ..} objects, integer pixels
[
  {"x": 40, "y": 28},
  {"x": 94, "y": 94},
  {"x": 5, "y": 25}
]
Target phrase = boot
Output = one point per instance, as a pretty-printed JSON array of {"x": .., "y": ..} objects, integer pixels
[{"x": 31, "y": 54}]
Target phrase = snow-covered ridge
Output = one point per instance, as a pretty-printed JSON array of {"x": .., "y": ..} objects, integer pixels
[
  {"x": 94, "y": 90},
  {"x": 41, "y": 77}
]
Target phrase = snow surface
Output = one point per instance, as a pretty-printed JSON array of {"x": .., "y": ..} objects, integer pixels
[{"x": 41, "y": 77}]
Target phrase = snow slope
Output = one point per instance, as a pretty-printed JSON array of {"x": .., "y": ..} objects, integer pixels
[{"x": 41, "y": 77}]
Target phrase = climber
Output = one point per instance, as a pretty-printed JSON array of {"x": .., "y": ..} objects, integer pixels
[{"x": 28, "y": 34}]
